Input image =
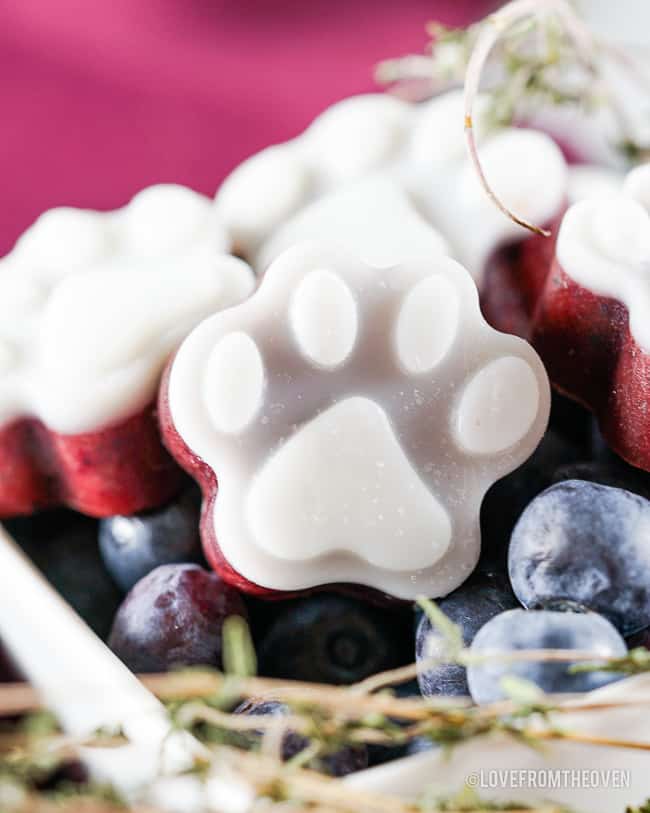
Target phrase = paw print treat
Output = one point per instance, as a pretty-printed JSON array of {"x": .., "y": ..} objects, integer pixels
[
  {"x": 589, "y": 317},
  {"x": 353, "y": 418},
  {"x": 421, "y": 148},
  {"x": 91, "y": 306}
]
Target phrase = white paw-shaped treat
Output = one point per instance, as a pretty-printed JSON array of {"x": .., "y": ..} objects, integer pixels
[
  {"x": 354, "y": 417},
  {"x": 92, "y": 303},
  {"x": 373, "y": 219},
  {"x": 528, "y": 173},
  {"x": 419, "y": 147},
  {"x": 604, "y": 246},
  {"x": 588, "y": 181}
]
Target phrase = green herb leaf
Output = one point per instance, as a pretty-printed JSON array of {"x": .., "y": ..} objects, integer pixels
[
  {"x": 451, "y": 633},
  {"x": 238, "y": 650},
  {"x": 521, "y": 690}
]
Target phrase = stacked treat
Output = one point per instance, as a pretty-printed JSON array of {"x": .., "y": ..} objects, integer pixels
[{"x": 346, "y": 351}]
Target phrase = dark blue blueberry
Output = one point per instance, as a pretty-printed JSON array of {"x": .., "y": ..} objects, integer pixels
[
  {"x": 470, "y": 607},
  {"x": 587, "y": 543},
  {"x": 508, "y": 497},
  {"x": 542, "y": 629},
  {"x": 329, "y": 638},
  {"x": 174, "y": 617},
  {"x": 63, "y": 545},
  {"x": 615, "y": 473},
  {"x": 600, "y": 449},
  {"x": 343, "y": 761},
  {"x": 133, "y": 546}
]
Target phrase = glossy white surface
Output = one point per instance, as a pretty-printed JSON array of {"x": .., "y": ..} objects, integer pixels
[
  {"x": 373, "y": 218},
  {"x": 93, "y": 303},
  {"x": 604, "y": 245},
  {"x": 421, "y": 148},
  {"x": 383, "y": 418}
]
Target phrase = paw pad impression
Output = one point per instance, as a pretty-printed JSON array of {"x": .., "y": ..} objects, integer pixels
[{"x": 354, "y": 418}]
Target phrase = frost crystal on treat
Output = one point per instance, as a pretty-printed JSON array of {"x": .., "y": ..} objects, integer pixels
[
  {"x": 92, "y": 303},
  {"x": 604, "y": 246},
  {"x": 419, "y": 147},
  {"x": 354, "y": 417}
]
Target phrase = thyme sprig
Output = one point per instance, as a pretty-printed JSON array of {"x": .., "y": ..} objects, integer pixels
[
  {"x": 526, "y": 54},
  {"x": 201, "y": 701}
]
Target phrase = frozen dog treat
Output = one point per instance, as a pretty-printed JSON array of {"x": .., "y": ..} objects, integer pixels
[
  {"x": 346, "y": 421},
  {"x": 588, "y": 313},
  {"x": 421, "y": 148},
  {"x": 91, "y": 306}
]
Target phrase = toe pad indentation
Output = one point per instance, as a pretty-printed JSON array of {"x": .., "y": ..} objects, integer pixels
[
  {"x": 498, "y": 407},
  {"x": 234, "y": 382},
  {"x": 427, "y": 324},
  {"x": 324, "y": 318}
]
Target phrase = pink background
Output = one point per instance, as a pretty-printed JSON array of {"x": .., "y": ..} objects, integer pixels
[{"x": 102, "y": 97}]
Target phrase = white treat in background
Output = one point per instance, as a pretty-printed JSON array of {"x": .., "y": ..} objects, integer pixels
[
  {"x": 589, "y": 180},
  {"x": 355, "y": 417},
  {"x": 372, "y": 218},
  {"x": 421, "y": 148},
  {"x": 604, "y": 246},
  {"x": 92, "y": 304},
  {"x": 526, "y": 170}
]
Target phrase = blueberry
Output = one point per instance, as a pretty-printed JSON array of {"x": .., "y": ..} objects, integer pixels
[
  {"x": 507, "y": 498},
  {"x": 600, "y": 449},
  {"x": 173, "y": 617},
  {"x": 588, "y": 543},
  {"x": 63, "y": 545},
  {"x": 343, "y": 761},
  {"x": 615, "y": 473},
  {"x": 133, "y": 546},
  {"x": 335, "y": 639},
  {"x": 470, "y": 606},
  {"x": 542, "y": 629}
]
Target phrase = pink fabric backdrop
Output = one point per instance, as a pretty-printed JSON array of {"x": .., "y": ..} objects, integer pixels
[{"x": 102, "y": 97}]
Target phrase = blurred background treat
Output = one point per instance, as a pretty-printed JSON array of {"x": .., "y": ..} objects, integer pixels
[{"x": 101, "y": 99}]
